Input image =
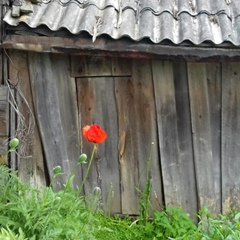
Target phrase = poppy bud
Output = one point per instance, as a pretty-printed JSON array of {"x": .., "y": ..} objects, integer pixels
[
  {"x": 14, "y": 143},
  {"x": 57, "y": 200},
  {"x": 97, "y": 191},
  {"x": 82, "y": 158},
  {"x": 57, "y": 170}
]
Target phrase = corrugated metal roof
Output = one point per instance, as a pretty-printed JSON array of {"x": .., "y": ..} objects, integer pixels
[{"x": 175, "y": 20}]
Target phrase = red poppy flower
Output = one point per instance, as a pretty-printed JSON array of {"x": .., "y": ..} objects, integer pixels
[{"x": 94, "y": 133}]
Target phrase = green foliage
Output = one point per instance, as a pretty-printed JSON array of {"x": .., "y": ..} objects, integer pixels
[
  {"x": 45, "y": 214},
  {"x": 172, "y": 223},
  {"x": 144, "y": 200},
  {"x": 27, "y": 213},
  {"x": 7, "y": 234},
  {"x": 219, "y": 227},
  {"x": 42, "y": 214}
]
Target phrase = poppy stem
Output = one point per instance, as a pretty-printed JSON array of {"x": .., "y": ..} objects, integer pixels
[{"x": 88, "y": 169}]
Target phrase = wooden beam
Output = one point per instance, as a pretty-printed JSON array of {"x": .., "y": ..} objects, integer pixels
[
  {"x": 96, "y": 103},
  {"x": 1, "y": 33},
  {"x": 30, "y": 164},
  {"x": 173, "y": 118},
  {"x": 118, "y": 48},
  {"x": 3, "y": 121},
  {"x": 54, "y": 101},
  {"x": 230, "y": 137},
  {"x": 205, "y": 124}
]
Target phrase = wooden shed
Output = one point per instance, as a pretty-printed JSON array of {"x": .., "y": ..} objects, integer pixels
[{"x": 161, "y": 77}]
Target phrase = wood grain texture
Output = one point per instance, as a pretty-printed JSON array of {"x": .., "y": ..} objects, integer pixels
[
  {"x": 30, "y": 153},
  {"x": 202, "y": 137},
  {"x": 121, "y": 66},
  {"x": 144, "y": 122},
  {"x": 3, "y": 112},
  {"x": 97, "y": 105},
  {"x": 184, "y": 108},
  {"x": 126, "y": 94},
  {"x": 3, "y": 120},
  {"x": 1, "y": 62},
  {"x": 230, "y": 136},
  {"x": 124, "y": 48},
  {"x": 1, "y": 33},
  {"x": 175, "y": 144},
  {"x": 137, "y": 131},
  {"x": 55, "y": 104},
  {"x": 81, "y": 67},
  {"x": 186, "y": 156},
  {"x": 93, "y": 66},
  {"x": 214, "y": 86}
]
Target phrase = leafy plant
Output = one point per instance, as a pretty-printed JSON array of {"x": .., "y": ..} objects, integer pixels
[
  {"x": 172, "y": 223},
  {"x": 27, "y": 213},
  {"x": 144, "y": 200},
  {"x": 7, "y": 234},
  {"x": 219, "y": 227}
]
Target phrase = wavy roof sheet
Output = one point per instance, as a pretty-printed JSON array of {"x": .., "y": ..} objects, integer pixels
[{"x": 198, "y": 21}]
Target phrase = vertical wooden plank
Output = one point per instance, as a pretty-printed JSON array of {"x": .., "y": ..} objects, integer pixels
[
  {"x": 202, "y": 136},
  {"x": 4, "y": 70},
  {"x": 144, "y": 118},
  {"x": 230, "y": 136},
  {"x": 171, "y": 94},
  {"x": 55, "y": 112},
  {"x": 186, "y": 158},
  {"x": 213, "y": 71},
  {"x": 97, "y": 105},
  {"x": 30, "y": 152},
  {"x": 1, "y": 51},
  {"x": 12, "y": 124},
  {"x": 129, "y": 169},
  {"x": 3, "y": 121},
  {"x": 1, "y": 22},
  {"x": 137, "y": 131},
  {"x": 4, "y": 111},
  {"x": 1, "y": 68},
  {"x": 67, "y": 99}
]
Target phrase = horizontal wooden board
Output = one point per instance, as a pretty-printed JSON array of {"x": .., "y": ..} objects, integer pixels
[
  {"x": 86, "y": 66},
  {"x": 94, "y": 66},
  {"x": 124, "y": 48}
]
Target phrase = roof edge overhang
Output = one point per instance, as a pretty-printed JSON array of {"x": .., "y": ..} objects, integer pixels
[{"x": 119, "y": 48}]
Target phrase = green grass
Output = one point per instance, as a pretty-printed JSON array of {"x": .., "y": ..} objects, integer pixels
[{"x": 29, "y": 213}]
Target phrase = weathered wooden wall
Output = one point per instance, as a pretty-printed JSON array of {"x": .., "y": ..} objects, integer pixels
[
  {"x": 190, "y": 111},
  {"x": 3, "y": 123},
  {"x": 4, "y": 110}
]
